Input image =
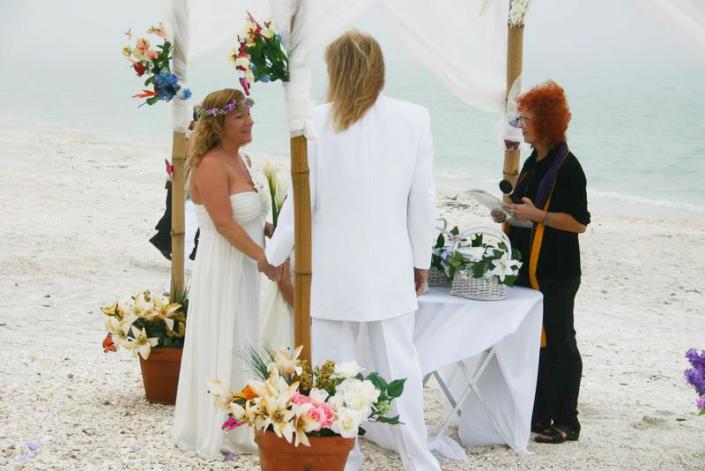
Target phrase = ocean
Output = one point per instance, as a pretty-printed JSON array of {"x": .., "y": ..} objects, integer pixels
[{"x": 635, "y": 92}]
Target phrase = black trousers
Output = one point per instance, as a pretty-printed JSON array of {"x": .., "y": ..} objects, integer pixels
[{"x": 560, "y": 364}]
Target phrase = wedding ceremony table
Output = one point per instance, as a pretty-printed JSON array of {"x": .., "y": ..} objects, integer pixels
[{"x": 484, "y": 355}]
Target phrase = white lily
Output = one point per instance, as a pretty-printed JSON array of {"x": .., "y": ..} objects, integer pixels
[
  {"x": 303, "y": 423},
  {"x": 282, "y": 190},
  {"x": 473, "y": 254},
  {"x": 141, "y": 344},
  {"x": 222, "y": 395},
  {"x": 288, "y": 363},
  {"x": 502, "y": 267},
  {"x": 120, "y": 328}
]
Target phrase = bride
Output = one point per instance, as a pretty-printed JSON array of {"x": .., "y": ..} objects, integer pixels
[{"x": 223, "y": 301}]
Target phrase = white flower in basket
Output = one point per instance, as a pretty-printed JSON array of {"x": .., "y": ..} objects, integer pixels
[{"x": 482, "y": 270}]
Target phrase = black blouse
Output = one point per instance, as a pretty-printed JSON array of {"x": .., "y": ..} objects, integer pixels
[{"x": 560, "y": 251}]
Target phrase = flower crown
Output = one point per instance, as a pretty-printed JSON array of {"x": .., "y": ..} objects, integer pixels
[{"x": 229, "y": 107}]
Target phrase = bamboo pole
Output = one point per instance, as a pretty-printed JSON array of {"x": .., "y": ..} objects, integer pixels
[
  {"x": 515, "y": 46},
  {"x": 302, "y": 247},
  {"x": 178, "y": 160}
]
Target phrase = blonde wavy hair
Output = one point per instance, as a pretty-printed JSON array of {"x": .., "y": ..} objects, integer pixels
[
  {"x": 356, "y": 77},
  {"x": 209, "y": 129}
]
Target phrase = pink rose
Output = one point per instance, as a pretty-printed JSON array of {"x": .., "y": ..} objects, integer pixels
[
  {"x": 151, "y": 54},
  {"x": 323, "y": 414},
  {"x": 299, "y": 399}
]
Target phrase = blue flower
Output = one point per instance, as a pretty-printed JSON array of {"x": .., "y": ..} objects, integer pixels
[
  {"x": 185, "y": 93},
  {"x": 265, "y": 78}
]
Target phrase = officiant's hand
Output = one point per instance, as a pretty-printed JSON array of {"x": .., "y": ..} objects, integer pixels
[
  {"x": 420, "y": 280},
  {"x": 498, "y": 215},
  {"x": 527, "y": 211}
]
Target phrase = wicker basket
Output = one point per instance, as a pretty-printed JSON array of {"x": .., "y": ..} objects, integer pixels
[
  {"x": 437, "y": 278},
  {"x": 467, "y": 286}
]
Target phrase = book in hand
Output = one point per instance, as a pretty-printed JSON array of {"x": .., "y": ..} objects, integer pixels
[{"x": 493, "y": 203}]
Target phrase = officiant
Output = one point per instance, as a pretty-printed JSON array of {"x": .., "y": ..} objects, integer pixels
[{"x": 551, "y": 193}]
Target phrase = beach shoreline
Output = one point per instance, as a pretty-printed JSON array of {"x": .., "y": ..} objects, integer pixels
[{"x": 79, "y": 208}]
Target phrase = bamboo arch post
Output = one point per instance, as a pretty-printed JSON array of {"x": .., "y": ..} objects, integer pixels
[
  {"x": 302, "y": 247},
  {"x": 515, "y": 46},
  {"x": 178, "y": 183}
]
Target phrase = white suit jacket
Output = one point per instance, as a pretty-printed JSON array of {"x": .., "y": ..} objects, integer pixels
[{"x": 373, "y": 213}]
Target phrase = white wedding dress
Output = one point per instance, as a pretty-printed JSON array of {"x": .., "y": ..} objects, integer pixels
[
  {"x": 276, "y": 316},
  {"x": 223, "y": 319}
]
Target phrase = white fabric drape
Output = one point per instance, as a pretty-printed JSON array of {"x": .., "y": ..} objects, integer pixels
[
  {"x": 464, "y": 49},
  {"x": 177, "y": 19},
  {"x": 686, "y": 18}
]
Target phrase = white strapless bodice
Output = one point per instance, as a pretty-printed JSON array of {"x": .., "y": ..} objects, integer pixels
[{"x": 249, "y": 210}]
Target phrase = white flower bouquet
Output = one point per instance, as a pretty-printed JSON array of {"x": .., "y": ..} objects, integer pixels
[
  {"x": 145, "y": 321},
  {"x": 485, "y": 260},
  {"x": 296, "y": 402}
]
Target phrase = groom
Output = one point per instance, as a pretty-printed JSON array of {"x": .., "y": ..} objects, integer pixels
[{"x": 373, "y": 213}]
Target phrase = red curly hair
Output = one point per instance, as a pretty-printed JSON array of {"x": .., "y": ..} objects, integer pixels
[{"x": 549, "y": 107}]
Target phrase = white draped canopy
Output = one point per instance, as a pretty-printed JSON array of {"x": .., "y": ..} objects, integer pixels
[
  {"x": 464, "y": 46},
  {"x": 466, "y": 50}
]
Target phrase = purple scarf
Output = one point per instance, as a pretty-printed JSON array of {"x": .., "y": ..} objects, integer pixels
[{"x": 549, "y": 179}]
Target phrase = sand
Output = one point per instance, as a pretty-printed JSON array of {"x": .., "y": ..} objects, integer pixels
[{"x": 77, "y": 210}]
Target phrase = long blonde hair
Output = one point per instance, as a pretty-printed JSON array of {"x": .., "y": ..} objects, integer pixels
[
  {"x": 209, "y": 129},
  {"x": 356, "y": 77}
]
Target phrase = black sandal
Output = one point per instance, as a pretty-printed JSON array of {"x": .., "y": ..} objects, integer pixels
[{"x": 557, "y": 435}]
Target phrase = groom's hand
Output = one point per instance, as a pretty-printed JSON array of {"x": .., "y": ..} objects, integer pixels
[
  {"x": 272, "y": 272},
  {"x": 420, "y": 280}
]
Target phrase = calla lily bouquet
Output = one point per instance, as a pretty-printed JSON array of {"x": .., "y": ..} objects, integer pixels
[
  {"x": 143, "y": 322},
  {"x": 277, "y": 189},
  {"x": 295, "y": 402},
  {"x": 260, "y": 55},
  {"x": 154, "y": 64},
  {"x": 485, "y": 260}
]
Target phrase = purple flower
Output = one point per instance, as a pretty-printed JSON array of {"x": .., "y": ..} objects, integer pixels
[
  {"x": 696, "y": 378},
  {"x": 227, "y": 455},
  {"x": 23, "y": 458},
  {"x": 33, "y": 446},
  {"x": 701, "y": 403},
  {"x": 696, "y": 359},
  {"x": 136, "y": 447}
]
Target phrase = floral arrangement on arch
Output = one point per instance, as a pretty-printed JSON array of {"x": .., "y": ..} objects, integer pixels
[
  {"x": 295, "y": 402},
  {"x": 485, "y": 260},
  {"x": 277, "y": 189},
  {"x": 260, "y": 55},
  {"x": 145, "y": 321},
  {"x": 155, "y": 65},
  {"x": 696, "y": 376}
]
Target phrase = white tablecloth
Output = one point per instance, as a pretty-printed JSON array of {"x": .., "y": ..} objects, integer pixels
[{"x": 451, "y": 329}]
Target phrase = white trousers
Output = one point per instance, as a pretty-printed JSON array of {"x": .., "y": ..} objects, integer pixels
[{"x": 393, "y": 355}]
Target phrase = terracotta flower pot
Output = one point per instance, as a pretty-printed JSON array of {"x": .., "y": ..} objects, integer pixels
[
  {"x": 160, "y": 374},
  {"x": 324, "y": 454}
]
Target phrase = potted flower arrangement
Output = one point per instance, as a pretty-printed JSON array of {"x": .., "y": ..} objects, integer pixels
[
  {"x": 155, "y": 65},
  {"x": 304, "y": 418},
  {"x": 153, "y": 328},
  {"x": 696, "y": 376},
  {"x": 483, "y": 269}
]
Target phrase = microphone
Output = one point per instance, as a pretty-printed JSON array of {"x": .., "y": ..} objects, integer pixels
[{"x": 506, "y": 187}]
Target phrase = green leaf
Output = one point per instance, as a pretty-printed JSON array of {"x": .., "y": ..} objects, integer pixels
[
  {"x": 396, "y": 388},
  {"x": 389, "y": 420},
  {"x": 378, "y": 381},
  {"x": 455, "y": 231}
]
